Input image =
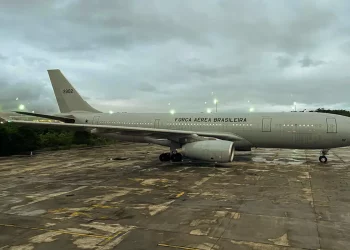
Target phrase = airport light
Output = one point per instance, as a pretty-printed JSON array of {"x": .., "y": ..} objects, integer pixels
[
  {"x": 111, "y": 112},
  {"x": 21, "y": 107},
  {"x": 172, "y": 111},
  {"x": 216, "y": 104},
  {"x": 251, "y": 109},
  {"x": 208, "y": 110},
  {"x": 17, "y": 99}
]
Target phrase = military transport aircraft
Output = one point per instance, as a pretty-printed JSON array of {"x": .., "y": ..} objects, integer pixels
[{"x": 212, "y": 137}]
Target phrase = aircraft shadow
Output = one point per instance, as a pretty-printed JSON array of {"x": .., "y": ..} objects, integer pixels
[{"x": 197, "y": 163}]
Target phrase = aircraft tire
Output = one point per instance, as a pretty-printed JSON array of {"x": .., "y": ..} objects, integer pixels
[
  {"x": 167, "y": 156},
  {"x": 176, "y": 157},
  {"x": 164, "y": 157},
  {"x": 323, "y": 159},
  {"x": 161, "y": 157}
]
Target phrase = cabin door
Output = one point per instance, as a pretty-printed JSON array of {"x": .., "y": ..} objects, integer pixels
[
  {"x": 266, "y": 124},
  {"x": 331, "y": 125},
  {"x": 156, "y": 123},
  {"x": 95, "y": 120}
]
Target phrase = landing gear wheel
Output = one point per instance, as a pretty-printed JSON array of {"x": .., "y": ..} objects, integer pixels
[
  {"x": 167, "y": 156},
  {"x": 323, "y": 159},
  {"x": 176, "y": 157},
  {"x": 161, "y": 157},
  {"x": 164, "y": 157}
]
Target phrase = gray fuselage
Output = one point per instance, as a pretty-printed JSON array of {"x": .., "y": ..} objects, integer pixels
[{"x": 296, "y": 130}]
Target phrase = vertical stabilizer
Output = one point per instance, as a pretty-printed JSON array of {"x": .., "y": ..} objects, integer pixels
[{"x": 67, "y": 97}]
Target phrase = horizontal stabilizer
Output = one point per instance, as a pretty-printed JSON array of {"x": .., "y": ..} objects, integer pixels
[{"x": 52, "y": 117}]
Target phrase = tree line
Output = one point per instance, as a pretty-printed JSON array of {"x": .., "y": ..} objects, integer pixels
[
  {"x": 335, "y": 111},
  {"x": 16, "y": 139}
]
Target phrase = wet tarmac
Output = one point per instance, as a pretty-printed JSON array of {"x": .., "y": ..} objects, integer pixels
[{"x": 80, "y": 199}]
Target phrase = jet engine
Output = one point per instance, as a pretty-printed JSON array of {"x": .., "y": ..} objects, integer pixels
[{"x": 210, "y": 150}]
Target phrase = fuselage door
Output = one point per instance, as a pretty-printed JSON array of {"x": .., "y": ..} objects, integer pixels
[
  {"x": 156, "y": 123},
  {"x": 331, "y": 125},
  {"x": 95, "y": 120},
  {"x": 266, "y": 124}
]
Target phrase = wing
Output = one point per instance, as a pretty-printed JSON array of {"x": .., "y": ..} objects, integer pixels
[
  {"x": 53, "y": 117},
  {"x": 142, "y": 131}
]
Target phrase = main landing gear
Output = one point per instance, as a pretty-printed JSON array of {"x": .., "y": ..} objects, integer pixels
[
  {"x": 323, "y": 157},
  {"x": 174, "y": 157}
]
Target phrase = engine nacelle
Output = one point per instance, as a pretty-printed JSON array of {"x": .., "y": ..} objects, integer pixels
[{"x": 210, "y": 150}]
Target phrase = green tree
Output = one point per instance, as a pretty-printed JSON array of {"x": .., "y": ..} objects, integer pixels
[
  {"x": 14, "y": 139},
  {"x": 82, "y": 137},
  {"x": 4, "y": 141},
  {"x": 55, "y": 140},
  {"x": 335, "y": 111}
]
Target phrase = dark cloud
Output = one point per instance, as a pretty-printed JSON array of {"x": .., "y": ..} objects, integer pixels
[
  {"x": 308, "y": 62},
  {"x": 127, "y": 55},
  {"x": 215, "y": 71},
  {"x": 147, "y": 87},
  {"x": 117, "y": 24},
  {"x": 32, "y": 96}
]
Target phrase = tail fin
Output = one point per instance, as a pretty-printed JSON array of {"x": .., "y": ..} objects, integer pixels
[{"x": 67, "y": 97}]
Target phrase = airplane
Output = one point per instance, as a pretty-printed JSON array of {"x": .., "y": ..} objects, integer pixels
[{"x": 210, "y": 137}]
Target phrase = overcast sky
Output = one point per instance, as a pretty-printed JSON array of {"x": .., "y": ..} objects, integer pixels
[{"x": 139, "y": 56}]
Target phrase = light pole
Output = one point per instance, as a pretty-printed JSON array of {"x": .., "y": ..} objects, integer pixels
[
  {"x": 216, "y": 105},
  {"x": 21, "y": 107}
]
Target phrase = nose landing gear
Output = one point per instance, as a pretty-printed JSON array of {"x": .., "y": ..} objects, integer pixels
[{"x": 323, "y": 157}]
